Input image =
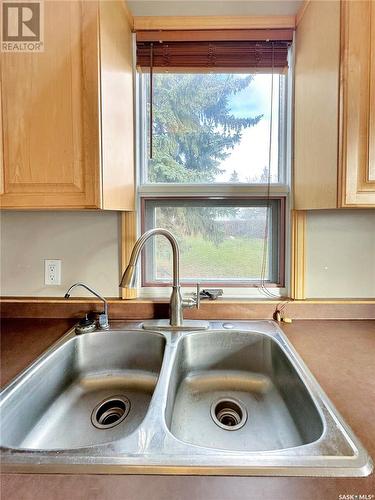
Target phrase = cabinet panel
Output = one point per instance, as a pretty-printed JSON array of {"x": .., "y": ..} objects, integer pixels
[
  {"x": 50, "y": 114},
  {"x": 117, "y": 119},
  {"x": 357, "y": 155},
  {"x": 316, "y": 106}
]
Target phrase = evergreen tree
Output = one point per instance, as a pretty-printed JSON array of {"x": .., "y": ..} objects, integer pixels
[{"x": 193, "y": 127}]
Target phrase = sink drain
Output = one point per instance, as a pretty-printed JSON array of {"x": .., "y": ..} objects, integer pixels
[
  {"x": 229, "y": 414},
  {"x": 110, "y": 412}
]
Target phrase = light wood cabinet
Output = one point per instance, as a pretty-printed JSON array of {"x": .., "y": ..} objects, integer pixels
[
  {"x": 67, "y": 112},
  {"x": 334, "y": 155}
]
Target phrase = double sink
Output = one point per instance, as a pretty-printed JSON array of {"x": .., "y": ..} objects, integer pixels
[{"x": 235, "y": 399}]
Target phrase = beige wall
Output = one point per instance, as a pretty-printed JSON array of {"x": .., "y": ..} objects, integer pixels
[
  {"x": 86, "y": 242},
  {"x": 340, "y": 254},
  {"x": 214, "y": 8}
]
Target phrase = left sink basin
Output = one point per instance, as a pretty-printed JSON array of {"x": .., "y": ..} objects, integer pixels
[{"x": 91, "y": 389}]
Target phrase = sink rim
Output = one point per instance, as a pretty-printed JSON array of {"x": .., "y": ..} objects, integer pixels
[{"x": 186, "y": 458}]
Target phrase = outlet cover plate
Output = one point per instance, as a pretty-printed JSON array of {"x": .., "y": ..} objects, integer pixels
[{"x": 52, "y": 272}]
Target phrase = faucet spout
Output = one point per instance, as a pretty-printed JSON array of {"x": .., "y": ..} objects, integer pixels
[
  {"x": 129, "y": 280},
  {"x": 103, "y": 318}
]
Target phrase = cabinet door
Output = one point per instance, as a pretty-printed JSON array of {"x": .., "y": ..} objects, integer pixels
[
  {"x": 357, "y": 151},
  {"x": 50, "y": 114}
]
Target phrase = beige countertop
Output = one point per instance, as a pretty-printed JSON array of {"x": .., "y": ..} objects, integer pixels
[{"x": 340, "y": 354}]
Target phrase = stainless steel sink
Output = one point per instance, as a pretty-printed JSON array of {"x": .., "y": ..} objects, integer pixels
[
  {"x": 247, "y": 384},
  {"x": 234, "y": 401}
]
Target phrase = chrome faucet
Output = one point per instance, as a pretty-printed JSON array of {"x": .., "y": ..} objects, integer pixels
[
  {"x": 103, "y": 317},
  {"x": 177, "y": 303}
]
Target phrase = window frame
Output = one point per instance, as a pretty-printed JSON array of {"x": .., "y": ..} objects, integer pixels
[
  {"x": 277, "y": 253},
  {"x": 281, "y": 189}
]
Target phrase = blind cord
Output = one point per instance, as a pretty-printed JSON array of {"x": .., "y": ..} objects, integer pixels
[
  {"x": 151, "y": 97},
  {"x": 263, "y": 286}
]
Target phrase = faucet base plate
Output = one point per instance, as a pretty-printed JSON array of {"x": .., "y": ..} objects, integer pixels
[{"x": 163, "y": 324}]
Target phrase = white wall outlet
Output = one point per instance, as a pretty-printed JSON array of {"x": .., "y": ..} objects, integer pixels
[{"x": 52, "y": 272}]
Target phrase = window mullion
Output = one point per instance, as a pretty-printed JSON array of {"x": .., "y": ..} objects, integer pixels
[{"x": 212, "y": 190}]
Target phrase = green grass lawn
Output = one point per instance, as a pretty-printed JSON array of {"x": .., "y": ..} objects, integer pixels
[{"x": 201, "y": 258}]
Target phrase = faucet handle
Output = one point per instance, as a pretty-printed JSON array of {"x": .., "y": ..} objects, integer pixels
[
  {"x": 194, "y": 300},
  {"x": 198, "y": 299}
]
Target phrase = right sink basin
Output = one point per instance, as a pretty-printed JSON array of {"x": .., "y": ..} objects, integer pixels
[{"x": 239, "y": 391}]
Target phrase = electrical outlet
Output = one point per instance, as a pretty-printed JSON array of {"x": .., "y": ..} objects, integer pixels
[{"x": 52, "y": 272}]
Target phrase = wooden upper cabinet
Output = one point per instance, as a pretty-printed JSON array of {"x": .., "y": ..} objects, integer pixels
[
  {"x": 334, "y": 121},
  {"x": 67, "y": 112},
  {"x": 357, "y": 117}
]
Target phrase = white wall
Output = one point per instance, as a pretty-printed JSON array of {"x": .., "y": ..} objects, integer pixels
[
  {"x": 340, "y": 254},
  {"x": 86, "y": 242}
]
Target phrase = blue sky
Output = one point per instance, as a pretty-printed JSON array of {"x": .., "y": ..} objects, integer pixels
[{"x": 255, "y": 99}]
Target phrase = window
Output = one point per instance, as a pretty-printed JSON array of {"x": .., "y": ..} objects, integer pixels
[
  {"x": 212, "y": 170},
  {"x": 213, "y": 128},
  {"x": 221, "y": 241}
]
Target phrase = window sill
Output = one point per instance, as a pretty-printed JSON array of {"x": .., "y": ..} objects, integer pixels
[{"x": 229, "y": 293}]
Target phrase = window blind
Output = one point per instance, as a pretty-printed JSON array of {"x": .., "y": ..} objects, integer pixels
[{"x": 215, "y": 50}]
